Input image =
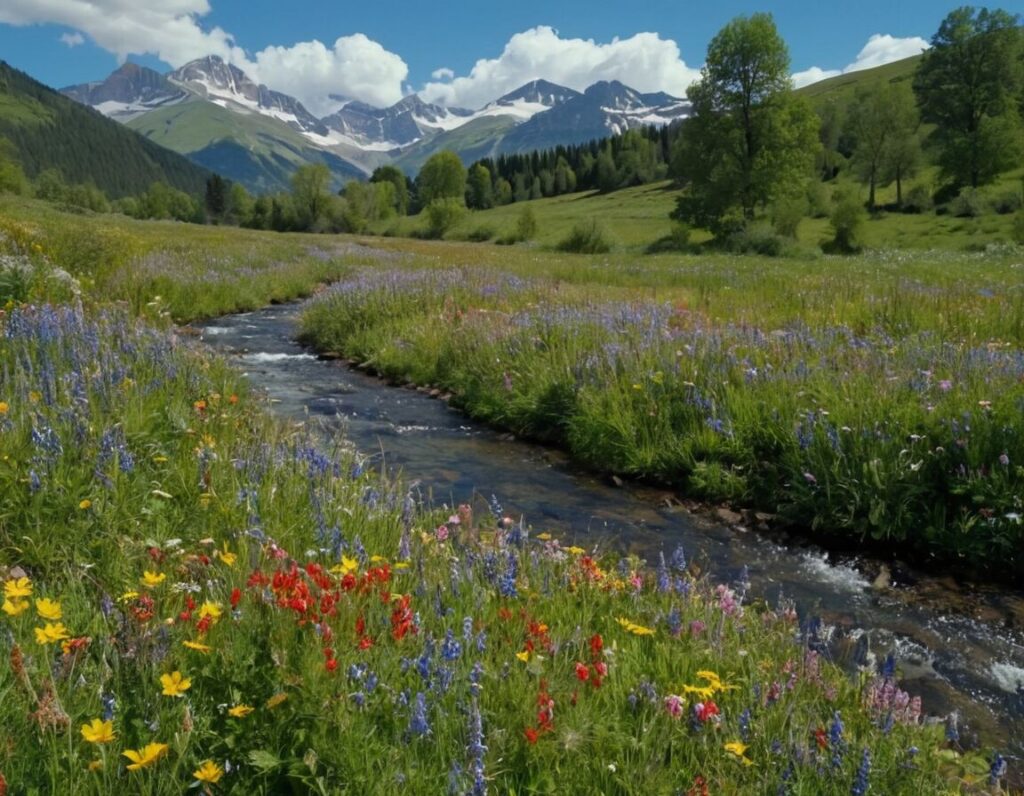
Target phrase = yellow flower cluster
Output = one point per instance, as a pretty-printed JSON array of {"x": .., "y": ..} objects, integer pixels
[{"x": 634, "y": 628}]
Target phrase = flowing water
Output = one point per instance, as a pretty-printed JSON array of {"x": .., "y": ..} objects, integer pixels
[{"x": 960, "y": 649}]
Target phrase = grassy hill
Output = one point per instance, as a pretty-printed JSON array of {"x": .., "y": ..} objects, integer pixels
[
  {"x": 843, "y": 87},
  {"x": 259, "y": 152},
  {"x": 477, "y": 139},
  {"x": 48, "y": 130}
]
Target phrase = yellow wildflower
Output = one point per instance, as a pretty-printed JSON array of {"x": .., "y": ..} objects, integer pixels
[
  {"x": 98, "y": 731},
  {"x": 401, "y": 566},
  {"x": 3, "y": 407},
  {"x": 53, "y": 631},
  {"x": 635, "y": 629},
  {"x": 739, "y": 749},
  {"x": 85, "y": 504},
  {"x": 145, "y": 757},
  {"x": 524, "y": 656},
  {"x": 152, "y": 579},
  {"x": 95, "y": 765},
  {"x": 34, "y": 396},
  {"x": 227, "y": 556},
  {"x": 15, "y": 606},
  {"x": 17, "y": 587},
  {"x": 574, "y": 550},
  {"x": 276, "y": 699},
  {"x": 347, "y": 565},
  {"x": 543, "y": 537},
  {"x": 240, "y": 711},
  {"x": 128, "y": 596},
  {"x": 198, "y": 647},
  {"x": 175, "y": 685},
  {"x": 377, "y": 559},
  {"x": 48, "y": 609},
  {"x": 212, "y": 610},
  {"x": 208, "y": 772}
]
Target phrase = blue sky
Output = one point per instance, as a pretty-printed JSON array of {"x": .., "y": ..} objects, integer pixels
[{"x": 378, "y": 51}]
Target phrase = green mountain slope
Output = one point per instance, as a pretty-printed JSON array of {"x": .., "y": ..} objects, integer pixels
[
  {"x": 843, "y": 88},
  {"x": 48, "y": 130},
  {"x": 258, "y": 151}
]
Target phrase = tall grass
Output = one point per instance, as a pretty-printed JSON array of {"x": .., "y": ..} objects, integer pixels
[{"x": 885, "y": 432}]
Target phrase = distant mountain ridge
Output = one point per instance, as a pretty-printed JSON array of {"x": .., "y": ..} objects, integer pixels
[{"x": 356, "y": 137}]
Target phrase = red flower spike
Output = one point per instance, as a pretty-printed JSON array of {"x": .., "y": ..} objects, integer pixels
[
  {"x": 582, "y": 672},
  {"x": 236, "y": 597}
]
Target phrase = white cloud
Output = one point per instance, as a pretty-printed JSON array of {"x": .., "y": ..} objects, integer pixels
[
  {"x": 645, "y": 62},
  {"x": 72, "y": 39},
  {"x": 813, "y": 75},
  {"x": 444, "y": 73},
  {"x": 884, "y": 49},
  {"x": 354, "y": 66},
  {"x": 880, "y": 49}
]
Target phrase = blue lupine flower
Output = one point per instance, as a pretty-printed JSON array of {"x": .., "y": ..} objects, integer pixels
[
  {"x": 860, "y": 784},
  {"x": 418, "y": 723}
]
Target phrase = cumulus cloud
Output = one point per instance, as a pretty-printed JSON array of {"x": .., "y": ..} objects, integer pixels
[
  {"x": 645, "y": 62},
  {"x": 72, "y": 39},
  {"x": 880, "y": 49},
  {"x": 444, "y": 73},
  {"x": 354, "y": 66}
]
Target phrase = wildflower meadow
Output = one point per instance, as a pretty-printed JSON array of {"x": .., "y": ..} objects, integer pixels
[{"x": 198, "y": 597}]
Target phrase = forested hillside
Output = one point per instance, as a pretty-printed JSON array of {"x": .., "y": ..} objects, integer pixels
[{"x": 49, "y": 131}]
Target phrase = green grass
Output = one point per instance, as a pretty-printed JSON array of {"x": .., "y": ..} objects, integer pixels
[
  {"x": 636, "y": 218},
  {"x": 343, "y": 638}
]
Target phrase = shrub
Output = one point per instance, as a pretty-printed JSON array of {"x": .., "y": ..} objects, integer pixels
[
  {"x": 917, "y": 200},
  {"x": 481, "y": 234},
  {"x": 526, "y": 224},
  {"x": 1006, "y": 203},
  {"x": 1017, "y": 230},
  {"x": 818, "y": 204},
  {"x": 848, "y": 217},
  {"x": 967, "y": 204},
  {"x": 787, "y": 212},
  {"x": 756, "y": 238},
  {"x": 443, "y": 214},
  {"x": 587, "y": 237}
]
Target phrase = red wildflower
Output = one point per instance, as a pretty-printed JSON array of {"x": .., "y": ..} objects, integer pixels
[
  {"x": 190, "y": 606},
  {"x": 142, "y": 609},
  {"x": 700, "y": 787},
  {"x": 360, "y": 625},
  {"x": 204, "y": 624},
  {"x": 582, "y": 672},
  {"x": 706, "y": 710},
  {"x": 531, "y": 735},
  {"x": 156, "y": 554},
  {"x": 596, "y": 645},
  {"x": 504, "y": 613},
  {"x": 601, "y": 668},
  {"x": 365, "y": 643},
  {"x": 257, "y": 578},
  {"x": 821, "y": 737},
  {"x": 236, "y": 597},
  {"x": 402, "y": 618},
  {"x": 331, "y": 665}
]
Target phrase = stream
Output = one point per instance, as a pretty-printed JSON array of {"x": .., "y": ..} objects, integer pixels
[{"x": 958, "y": 648}]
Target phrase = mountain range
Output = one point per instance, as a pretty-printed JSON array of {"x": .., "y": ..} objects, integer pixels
[{"x": 214, "y": 114}]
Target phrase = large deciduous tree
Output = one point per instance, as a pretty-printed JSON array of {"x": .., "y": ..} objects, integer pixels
[
  {"x": 442, "y": 177},
  {"x": 749, "y": 139},
  {"x": 311, "y": 192},
  {"x": 968, "y": 85},
  {"x": 883, "y": 123}
]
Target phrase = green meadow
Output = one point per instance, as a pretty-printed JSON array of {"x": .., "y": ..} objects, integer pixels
[{"x": 200, "y": 596}]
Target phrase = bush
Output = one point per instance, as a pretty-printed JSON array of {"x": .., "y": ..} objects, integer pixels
[
  {"x": 848, "y": 217},
  {"x": 756, "y": 238},
  {"x": 967, "y": 204},
  {"x": 818, "y": 204},
  {"x": 526, "y": 224},
  {"x": 787, "y": 212},
  {"x": 481, "y": 234},
  {"x": 917, "y": 200},
  {"x": 1009, "y": 202},
  {"x": 587, "y": 237},
  {"x": 442, "y": 215},
  {"x": 1017, "y": 230},
  {"x": 678, "y": 240}
]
